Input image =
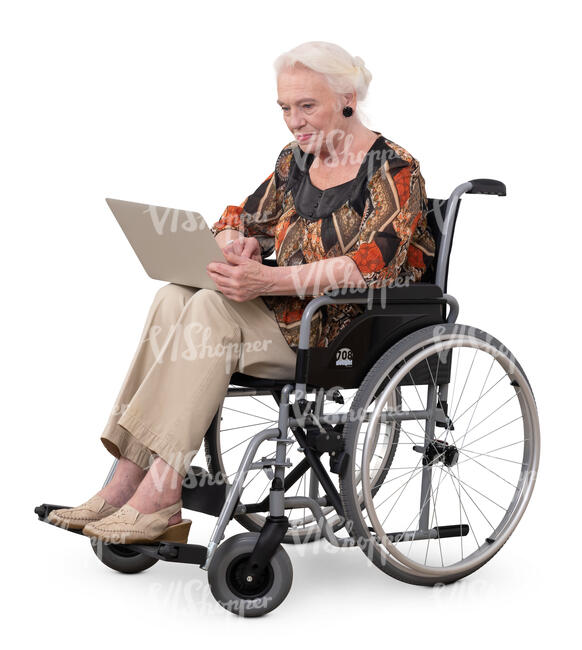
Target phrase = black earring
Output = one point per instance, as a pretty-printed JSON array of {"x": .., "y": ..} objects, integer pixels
[{"x": 347, "y": 111}]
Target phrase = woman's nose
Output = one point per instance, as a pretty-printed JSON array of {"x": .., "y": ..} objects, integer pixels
[{"x": 295, "y": 120}]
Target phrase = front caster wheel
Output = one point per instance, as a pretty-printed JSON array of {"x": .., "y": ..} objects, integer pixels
[
  {"x": 120, "y": 558},
  {"x": 228, "y": 583}
]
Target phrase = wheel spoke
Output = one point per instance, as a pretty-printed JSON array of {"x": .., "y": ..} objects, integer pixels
[
  {"x": 263, "y": 404},
  {"x": 495, "y": 473},
  {"x": 253, "y": 415},
  {"x": 238, "y": 444},
  {"x": 453, "y": 418},
  {"x": 471, "y": 527},
  {"x": 476, "y": 402},
  {"x": 520, "y": 417},
  {"x": 479, "y": 492},
  {"x": 486, "y": 418},
  {"x": 489, "y": 453},
  {"x": 406, "y": 484},
  {"x": 456, "y": 478}
]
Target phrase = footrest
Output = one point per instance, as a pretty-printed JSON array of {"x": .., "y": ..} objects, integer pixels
[
  {"x": 167, "y": 551},
  {"x": 172, "y": 552},
  {"x": 203, "y": 492},
  {"x": 43, "y": 512}
]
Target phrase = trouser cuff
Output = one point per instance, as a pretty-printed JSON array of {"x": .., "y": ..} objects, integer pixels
[
  {"x": 120, "y": 442},
  {"x": 177, "y": 458}
]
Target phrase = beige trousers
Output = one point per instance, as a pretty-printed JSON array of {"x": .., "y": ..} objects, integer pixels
[{"x": 193, "y": 340}]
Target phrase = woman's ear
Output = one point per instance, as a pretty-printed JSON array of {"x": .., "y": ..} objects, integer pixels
[{"x": 349, "y": 98}]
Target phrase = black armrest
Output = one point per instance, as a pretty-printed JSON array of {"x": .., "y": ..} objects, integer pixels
[
  {"x": 418, "y": 291},
  {"x": 487, "y": 186}
]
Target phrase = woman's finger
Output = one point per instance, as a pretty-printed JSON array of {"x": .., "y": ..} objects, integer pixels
[
  {"x": 223, "y": 281},
  {"x": 223, "y": 270},
  {"x": 236, "y": 246}
]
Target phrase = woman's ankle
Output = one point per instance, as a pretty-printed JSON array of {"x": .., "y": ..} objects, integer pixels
[
  {"x": 160, "y": 488},
  {"x": 117, "y": 495},
  {"x": 124, "y": 482}
]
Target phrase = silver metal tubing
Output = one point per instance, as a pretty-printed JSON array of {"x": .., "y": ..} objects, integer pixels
[
  {"x": 235, "y": 491},
  {"x": 401, "y": 416},
  {"x": 308, "y": 502},
  {"x": 111, "y": 472},
  {"x": 426, "y": 481},
  {"x": 447, "y": 232},
  {"x": 241, "y": 507},
  {"x": 310, "y": 310},
  {"x": 453, "y": 308},
  {"x": 317, "y": 412},
  {"x": 276, "y": 508},
  {"x": 244, "y": 392}
]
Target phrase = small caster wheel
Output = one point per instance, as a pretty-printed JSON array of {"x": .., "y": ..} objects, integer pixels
[
  {"x": 120, "y": 558},
  {"x": 234, "y": 592}
]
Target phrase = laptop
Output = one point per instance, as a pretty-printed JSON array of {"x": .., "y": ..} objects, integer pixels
[{"x": 172, "y": 245}]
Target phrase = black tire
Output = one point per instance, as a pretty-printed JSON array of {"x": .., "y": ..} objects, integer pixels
[
  {"x": 229, "y": 587},
  {"x": 120, "y": 558},
  {"x": 358, "y": 527}
]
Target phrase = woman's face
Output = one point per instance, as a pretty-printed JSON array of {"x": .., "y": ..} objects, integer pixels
[{"x": 311, "y": 109}]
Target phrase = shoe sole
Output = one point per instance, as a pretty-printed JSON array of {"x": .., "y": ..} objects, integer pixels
[{"x": 176, "y": 533}]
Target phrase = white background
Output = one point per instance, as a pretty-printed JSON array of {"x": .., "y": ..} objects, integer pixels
[{"x": 174, "y": 103}]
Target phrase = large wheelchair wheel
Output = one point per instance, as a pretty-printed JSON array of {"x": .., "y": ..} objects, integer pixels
[
  {"x": 237, "y": 421},
  {"x": 464, "y": 466}
]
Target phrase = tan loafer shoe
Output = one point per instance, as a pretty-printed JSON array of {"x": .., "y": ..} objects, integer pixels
[
  {"x": 129, "y": 526},
  {"x": 76, "y": 518}
]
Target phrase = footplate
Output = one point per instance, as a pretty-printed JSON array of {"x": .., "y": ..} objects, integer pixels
[
  {"x": 43, "y": 512},
  {"x": 167, "y": 551},
  {"x": 203, "y": 492}
]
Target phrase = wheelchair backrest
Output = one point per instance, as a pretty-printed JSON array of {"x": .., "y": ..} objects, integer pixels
[{"x": 437, "y": 210}]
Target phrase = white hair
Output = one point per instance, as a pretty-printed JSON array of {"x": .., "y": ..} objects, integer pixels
[{"x": 344, "y": 73}]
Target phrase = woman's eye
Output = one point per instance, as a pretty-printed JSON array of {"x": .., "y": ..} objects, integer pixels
[{"x": 307, "y": 106}]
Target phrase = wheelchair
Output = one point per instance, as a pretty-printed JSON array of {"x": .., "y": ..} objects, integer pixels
[{"x": 429, "y": 429}]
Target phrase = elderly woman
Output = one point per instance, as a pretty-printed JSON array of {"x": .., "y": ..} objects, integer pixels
[{"x": 344, "y": 206}]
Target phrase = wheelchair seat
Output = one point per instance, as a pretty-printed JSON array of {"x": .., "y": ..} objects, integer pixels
[{"x": 258, "y": 383}]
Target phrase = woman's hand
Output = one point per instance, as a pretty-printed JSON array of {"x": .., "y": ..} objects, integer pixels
[
  {"x": 242, "y": 278},
  {"x": 245, "y": 247}
]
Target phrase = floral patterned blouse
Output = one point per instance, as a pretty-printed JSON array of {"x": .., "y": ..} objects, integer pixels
[{"x": 378, "y": 219}]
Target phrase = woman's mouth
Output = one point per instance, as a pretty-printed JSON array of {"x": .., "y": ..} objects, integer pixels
[{"x": 302, "y": 137}]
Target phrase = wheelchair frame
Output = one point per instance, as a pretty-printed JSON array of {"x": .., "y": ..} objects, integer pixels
[{"x": 306, "y": 419}]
